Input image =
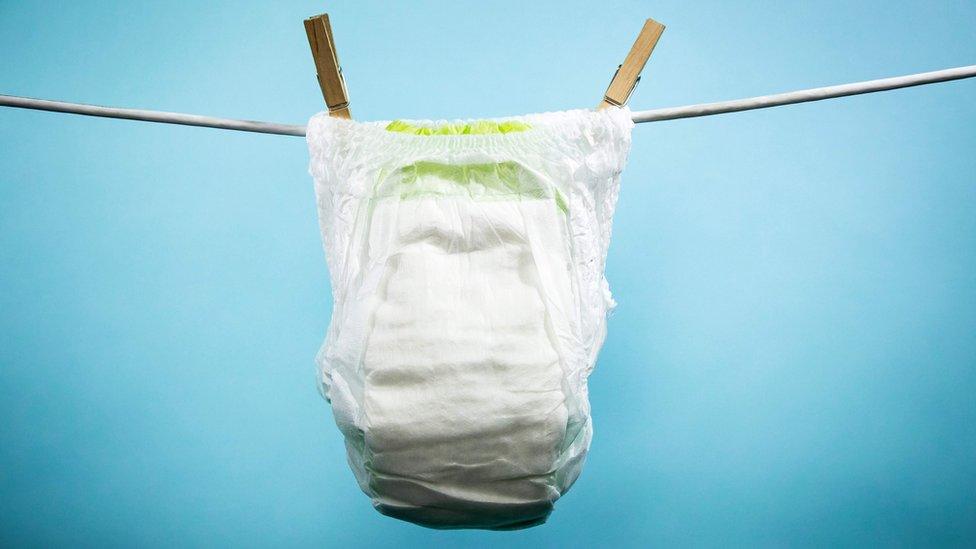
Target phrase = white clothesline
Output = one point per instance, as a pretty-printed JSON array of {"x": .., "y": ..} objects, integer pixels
[{"x": 672, "y": 113}]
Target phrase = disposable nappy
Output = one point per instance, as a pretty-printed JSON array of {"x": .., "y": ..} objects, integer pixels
[{"x": 466, "y": 262}]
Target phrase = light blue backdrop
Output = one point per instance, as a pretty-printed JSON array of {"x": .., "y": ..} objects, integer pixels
[{"x": 793, "y": 360}]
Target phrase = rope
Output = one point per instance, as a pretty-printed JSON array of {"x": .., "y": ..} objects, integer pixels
[
  {"x": 804, "y": 96},
  {"x": 672, "y": 113},
  {"x": 151, "y": 116}
]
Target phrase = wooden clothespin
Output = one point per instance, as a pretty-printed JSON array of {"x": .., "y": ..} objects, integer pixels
[
  {"x": 327, "y": 67},
  {"x": 628, "y": 74}
]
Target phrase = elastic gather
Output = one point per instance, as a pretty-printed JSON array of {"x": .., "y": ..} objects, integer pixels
[{"x": 535, "y": 134}]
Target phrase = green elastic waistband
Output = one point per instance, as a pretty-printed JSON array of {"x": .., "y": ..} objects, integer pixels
[{"x": 470, "y": 128}]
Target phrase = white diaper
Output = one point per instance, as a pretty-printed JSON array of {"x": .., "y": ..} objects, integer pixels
[{"x": 467, "y": 262}]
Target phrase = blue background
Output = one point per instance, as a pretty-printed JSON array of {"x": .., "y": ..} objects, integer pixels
[{"x": 793, "y": 360}]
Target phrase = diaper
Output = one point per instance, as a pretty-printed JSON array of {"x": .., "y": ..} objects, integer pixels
[{"x": 467, "y": 268}]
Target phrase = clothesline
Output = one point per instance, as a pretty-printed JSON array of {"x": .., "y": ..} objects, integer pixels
[{"x": 672, "y": 113}]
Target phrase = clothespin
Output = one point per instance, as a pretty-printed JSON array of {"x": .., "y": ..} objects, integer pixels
[
  {"x": 628, "y": 74},
  {"x": 327, "y": 68}
]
